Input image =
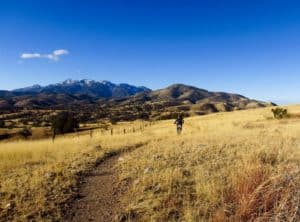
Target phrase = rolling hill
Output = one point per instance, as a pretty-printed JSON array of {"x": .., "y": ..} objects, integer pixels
[
  {"x": 104, "y": 99},
  {"x": 186, "y": 98}
]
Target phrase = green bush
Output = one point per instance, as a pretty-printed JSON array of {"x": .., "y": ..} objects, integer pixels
[
  {"x": 64, "y": 122},
  {"x": 280, "y": 113}
]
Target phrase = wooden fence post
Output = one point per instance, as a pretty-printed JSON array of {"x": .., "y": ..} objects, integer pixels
[{"x": 53, "y": 135}]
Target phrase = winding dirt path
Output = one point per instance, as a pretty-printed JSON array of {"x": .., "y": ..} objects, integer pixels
[
  {"x": 100, "y": 192},
  {"x": 99, "y": 195}
]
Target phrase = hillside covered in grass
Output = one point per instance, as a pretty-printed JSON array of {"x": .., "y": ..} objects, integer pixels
[
  {"x": 237, "y": 166},
  {"x": 91, "y": 101}
]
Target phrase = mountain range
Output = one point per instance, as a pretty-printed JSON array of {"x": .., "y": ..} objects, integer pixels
[
  {"x": 103, "y": 89},
  {"x": 122, "y": 98}
]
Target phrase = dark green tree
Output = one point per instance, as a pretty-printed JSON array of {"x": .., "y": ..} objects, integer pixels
[
  {"x": 64, "y": 122},
  {"x": 2, "y": 124}
]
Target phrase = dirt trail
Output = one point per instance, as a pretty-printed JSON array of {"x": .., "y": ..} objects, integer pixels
[{"x": 100, "y": 192}]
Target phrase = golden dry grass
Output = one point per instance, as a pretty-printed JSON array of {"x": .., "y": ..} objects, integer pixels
[
  {"x": 36, "y": 176},
  {"x": 238, "y": 166}
]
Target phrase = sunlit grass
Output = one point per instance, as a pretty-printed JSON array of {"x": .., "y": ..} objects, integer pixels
[
  {"x": 218, "y": 169},
  {"x": 236, "y": 166},
  {"x": 36, "y": 176}
]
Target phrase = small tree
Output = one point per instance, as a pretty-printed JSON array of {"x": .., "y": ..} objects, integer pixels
[
  {"x": 64, "y": 122},
  {"x": 280, "y": 113},
  {"x": 2, "y": 124}
]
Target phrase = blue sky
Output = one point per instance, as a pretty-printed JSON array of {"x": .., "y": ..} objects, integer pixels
[{"x": 247, "y": 47}]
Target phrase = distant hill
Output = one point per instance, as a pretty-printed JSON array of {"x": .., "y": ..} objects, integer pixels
[
  {"x": 179, "y": 95},
  {"x": 65, "y": 94},
  {"x": 186, "y": 94},
  {"x": 94, "y": 100}
]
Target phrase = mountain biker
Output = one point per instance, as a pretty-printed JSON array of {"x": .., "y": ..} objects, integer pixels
[{"x": 179, "y": 123}]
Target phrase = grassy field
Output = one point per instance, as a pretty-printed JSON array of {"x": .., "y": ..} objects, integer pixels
[
  {"x": 237, "y": 166},
  {"x": 36, "y": 177}
]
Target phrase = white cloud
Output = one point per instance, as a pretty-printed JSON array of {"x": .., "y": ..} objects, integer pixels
[
  {"x": 59, "y": 52},
  {"x": 30, "y": 55},
  {"x": 55, "y": 55}
]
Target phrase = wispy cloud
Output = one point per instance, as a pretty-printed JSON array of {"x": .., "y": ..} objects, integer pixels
[{"x": 55, "y": 55}]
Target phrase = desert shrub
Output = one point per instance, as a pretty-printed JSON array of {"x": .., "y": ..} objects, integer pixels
[
  {"x": 280, "y": 113},
  {"x": 183, "y": 108},
  {"x": 24, "y": 121},
  {"x": 114, "y": 120},
  {"x": 165, "y": 116},
  {"x": 4, "y": 136},
  {"x": 2, "y": 124},
  {"x": 144, "y": 116},
  {"x": 10, "y": 124},
  {"x": 36, "y": 123},
  {"x": 172, "y": 115},
  {"x": 25, "y": 132},
  {"x": 84, "y": 117},
  {"x": 64, "y": 122}
]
